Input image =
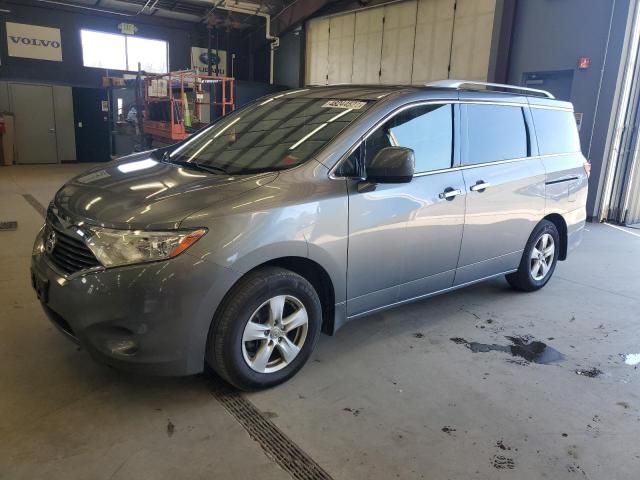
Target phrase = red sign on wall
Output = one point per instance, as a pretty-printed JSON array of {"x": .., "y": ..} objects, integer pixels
[{"x": 584, "y": 63}]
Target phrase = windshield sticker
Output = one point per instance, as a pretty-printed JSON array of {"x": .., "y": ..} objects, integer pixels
[{"x": 352, "y": 104}]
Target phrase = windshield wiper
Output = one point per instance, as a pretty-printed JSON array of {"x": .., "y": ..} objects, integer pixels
[{"x": 194, "y": 165}]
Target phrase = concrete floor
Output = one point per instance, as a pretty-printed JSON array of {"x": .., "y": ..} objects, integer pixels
[{"x": 390, "y": 396}]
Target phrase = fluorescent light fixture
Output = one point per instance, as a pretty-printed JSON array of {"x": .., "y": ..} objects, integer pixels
[
  {"x": 206, "y": 144},
  {"x": 334, "y": 118},
  {"x": 225, "y": 128},
  {"x": 308, "y": 135},
  {"x": 135, "y": 166},
  {"x": 92, "y": 203},
  {"x": 147, "y": 186}
]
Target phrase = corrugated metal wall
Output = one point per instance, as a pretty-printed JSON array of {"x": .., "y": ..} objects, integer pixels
[
  {"x": 621, "y": 184},
  {"x": 414, "y": 41}
]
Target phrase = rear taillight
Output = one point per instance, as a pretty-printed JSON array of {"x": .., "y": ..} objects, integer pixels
[{"x": 587, "y": 168}]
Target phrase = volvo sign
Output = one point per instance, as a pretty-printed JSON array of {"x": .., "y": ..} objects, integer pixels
[{"x": 32, "y": 41}]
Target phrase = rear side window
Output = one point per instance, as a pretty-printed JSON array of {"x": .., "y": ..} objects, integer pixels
[
  {"x": 556, "y": 131},
  {"x": 493, "y": 133}
]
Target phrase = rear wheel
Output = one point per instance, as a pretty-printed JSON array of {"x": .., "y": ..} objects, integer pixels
[
  {"x": 539, "y": 259},
  {"x": 266, "y": 329}
]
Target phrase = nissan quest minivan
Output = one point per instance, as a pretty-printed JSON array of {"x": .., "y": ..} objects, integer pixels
[{"x": 303, "y": 210}]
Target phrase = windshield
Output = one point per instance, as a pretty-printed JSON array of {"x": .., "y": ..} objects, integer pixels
[{"x": 274, "y": 134}]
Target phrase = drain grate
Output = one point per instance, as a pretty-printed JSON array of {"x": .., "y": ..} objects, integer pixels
[
  {"x": 8, "y": 225},
  {"x": 275, "y": 444}
]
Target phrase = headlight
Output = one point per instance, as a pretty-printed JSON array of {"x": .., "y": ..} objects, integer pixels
[
  {"x": 123, "y": 247},
  {"x": 38, "y": 245}
]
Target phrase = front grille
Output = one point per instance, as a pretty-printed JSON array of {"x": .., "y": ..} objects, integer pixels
[{"x": 71, "y": 254}]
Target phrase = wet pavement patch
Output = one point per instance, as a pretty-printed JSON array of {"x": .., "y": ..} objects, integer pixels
[
  {"x": 521, "y": 346},
  {"x": 500, "y": 444},
  {"x": 591, "y": 373},
  {"x": 354, "y": 411}
]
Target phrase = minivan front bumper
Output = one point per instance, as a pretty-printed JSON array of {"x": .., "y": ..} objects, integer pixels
[{"x": 150, "y": 318}]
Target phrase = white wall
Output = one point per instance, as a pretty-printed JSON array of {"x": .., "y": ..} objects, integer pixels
[{"x": 414, "y": 41}]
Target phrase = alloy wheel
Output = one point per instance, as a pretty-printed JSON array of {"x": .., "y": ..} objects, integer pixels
[
  {"x": 542, "y": 257},
  {"x": 275, "y": 334}
]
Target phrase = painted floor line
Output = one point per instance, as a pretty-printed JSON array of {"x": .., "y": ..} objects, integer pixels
[
  {"x": 622, "y": 229},
  {"x": 31, "y": 200}
]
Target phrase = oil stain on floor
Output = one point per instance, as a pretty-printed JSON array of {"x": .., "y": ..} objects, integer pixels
[{"x": 524, "y": 347}]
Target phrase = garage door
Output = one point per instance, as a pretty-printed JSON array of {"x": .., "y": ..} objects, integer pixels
[
  {"x": 317, "y": 52},
  {"x": 473, "y": 27},
  {"x": 398, "y": 38},
  {"x": 342, "y": 31},
  {"x": 415, "y": 41},
  {"x": 367, "y": 46},
  {"x": 434, "y": 30}
]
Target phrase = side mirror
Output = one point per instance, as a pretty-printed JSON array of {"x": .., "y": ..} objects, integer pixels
[{"x": 392, "y": 165}]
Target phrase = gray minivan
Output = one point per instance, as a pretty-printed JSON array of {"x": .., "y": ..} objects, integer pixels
[{"x": 304, "y": 210}]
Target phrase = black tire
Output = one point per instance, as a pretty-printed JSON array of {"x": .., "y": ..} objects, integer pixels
[
  {"x": 225, "y": 345},
  {"x": 523, "y": 279}
]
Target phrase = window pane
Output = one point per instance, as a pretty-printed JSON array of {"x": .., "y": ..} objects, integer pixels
[
  {"x": 556, "y": 130},
  {"x": 427, "y": 130},
  {"x": 152, "y": 54},
  {"x": 269, "y": 135},
  {"x": 494, "y": 132},
  {"x": 103, "y": 50}
]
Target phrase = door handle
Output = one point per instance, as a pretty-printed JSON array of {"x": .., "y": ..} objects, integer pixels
[
  {"x": 450, "y": 193},
  {"x": 52, "y": 130},
  {"x": 480, "y": 186}
]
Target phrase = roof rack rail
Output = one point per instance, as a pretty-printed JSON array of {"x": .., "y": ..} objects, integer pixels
[{"x": 461, "y": 83}]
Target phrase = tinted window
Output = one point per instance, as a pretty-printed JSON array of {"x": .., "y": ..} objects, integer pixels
[
  {"x": 556, "y": 131},
  {"x": 428, "y": 130},
  {"x": 273, "y": 134},
  {"x": 494, "y": 132}
]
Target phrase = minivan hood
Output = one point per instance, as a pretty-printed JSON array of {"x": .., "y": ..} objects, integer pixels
[{"x": 140, "y": 192}]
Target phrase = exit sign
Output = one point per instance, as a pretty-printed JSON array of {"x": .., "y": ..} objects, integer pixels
[
  {"x": 127, "y": 28},
  {"x": 584, "y": 63}
]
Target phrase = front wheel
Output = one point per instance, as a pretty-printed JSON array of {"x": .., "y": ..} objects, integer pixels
[
  {"x": 539, "y": 259},
  {"x": 266, "y": 329}
]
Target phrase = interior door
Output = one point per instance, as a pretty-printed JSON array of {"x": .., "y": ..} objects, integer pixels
[
  {"x": 35, "y": 123},
  {"x": 559, "y": 83},
  {"x": 404, "y": 239},
  {"x": 92, "y": 125},
  {"x": 505, "y": 190}
]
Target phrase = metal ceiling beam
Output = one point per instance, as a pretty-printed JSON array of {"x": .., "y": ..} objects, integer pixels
[{"x": 296, "y": 12}]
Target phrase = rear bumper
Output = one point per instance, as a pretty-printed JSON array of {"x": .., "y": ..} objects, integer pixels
[
  {"x": 576, "y": 221},
  {"x": 152, "y": 318}
]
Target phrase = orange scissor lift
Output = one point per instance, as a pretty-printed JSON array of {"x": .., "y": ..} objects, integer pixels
[{"x": 174, "y": 102}]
